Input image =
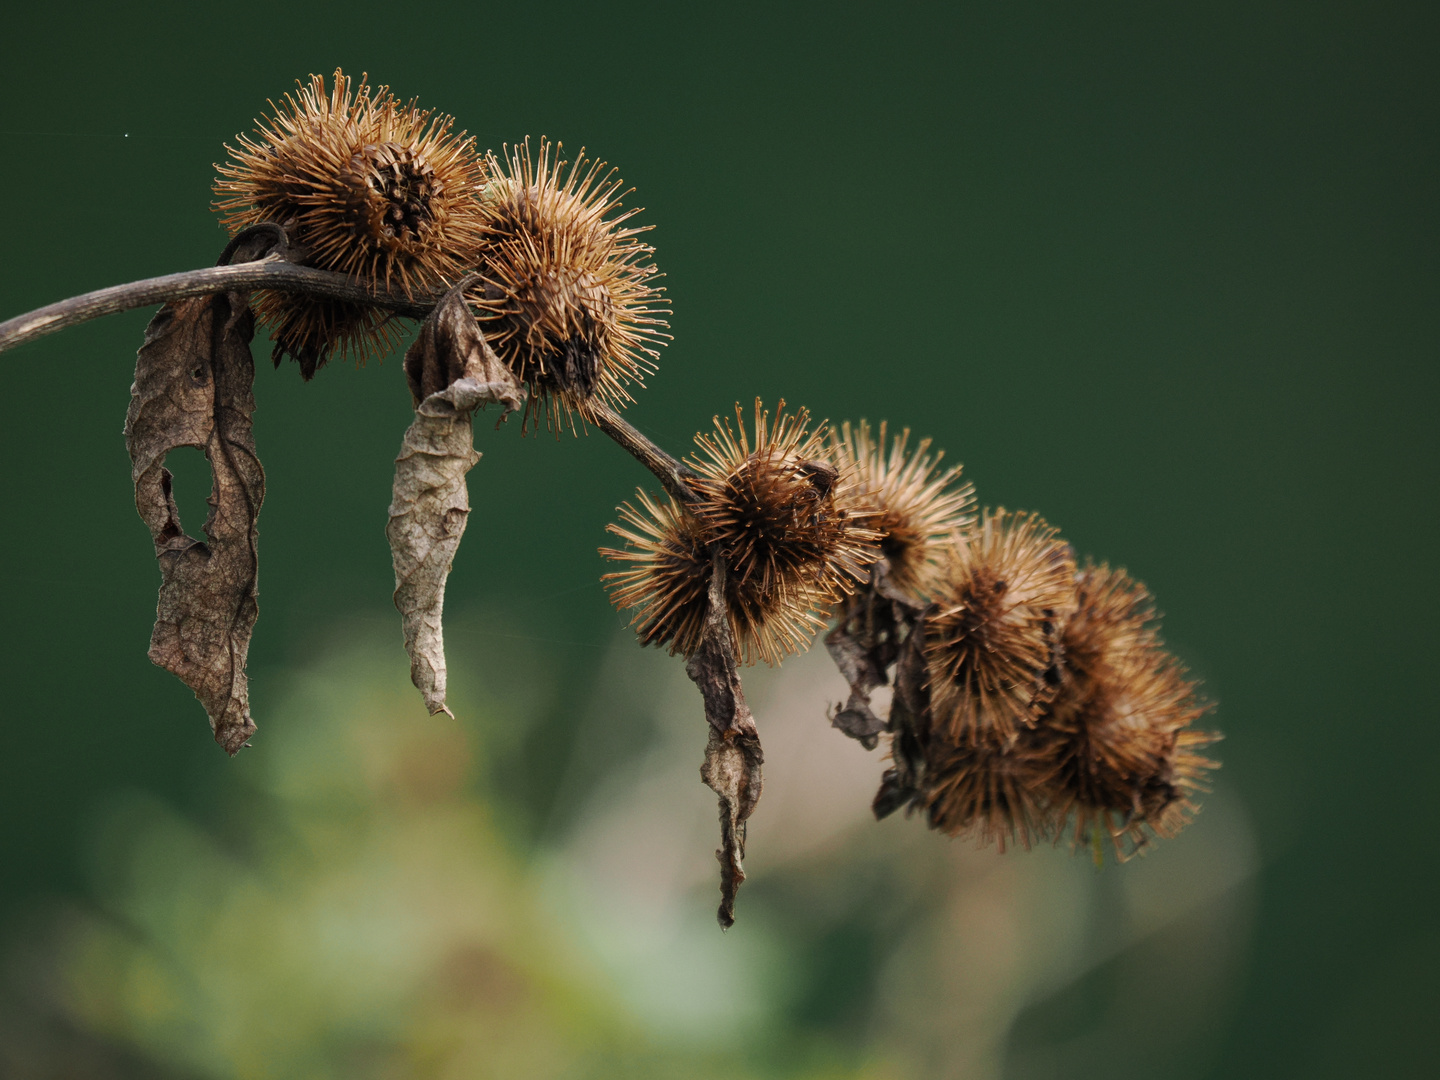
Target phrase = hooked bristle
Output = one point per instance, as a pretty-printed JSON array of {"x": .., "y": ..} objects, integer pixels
[
  {"x": 668, "y": 579},
  {"x": 794, "y": 536},
  {"x": 988, "y": 789}
]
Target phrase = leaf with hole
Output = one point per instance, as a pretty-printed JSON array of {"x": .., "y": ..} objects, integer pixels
[{"x": 194, "y": 387}]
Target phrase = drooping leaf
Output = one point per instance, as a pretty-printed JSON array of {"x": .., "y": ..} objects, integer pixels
[
  {"x": 866, "y": 642},
  {"x": 733, "y": 757},
  {"x": 194, "y": 387},
  {"x": 857, "y": 663},
  {"x": 452, "y": 372},
  {"x": 909, "y": 721}
]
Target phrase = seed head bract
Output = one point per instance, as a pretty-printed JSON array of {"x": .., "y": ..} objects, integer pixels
[
  {"x": 364, "y": 185},
  {"x": 668, "y": 576}
]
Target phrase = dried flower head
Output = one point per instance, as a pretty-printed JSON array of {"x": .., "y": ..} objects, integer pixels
[
  {"x": 1118, "y": 727},
  {"x": 365, "y": 186},
  {"x": 990, "y": 789},
  {"x": 669, "y": 574},
  {"x": 916, "y": 506},
  {"x": 668, "y": 581},
  {"x": 787, "y": 523},
  {"x": 989, "y": 644},
  {"x": 566, "y": 297}
]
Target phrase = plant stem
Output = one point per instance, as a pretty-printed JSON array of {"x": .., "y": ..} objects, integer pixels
[
  {"x": 271, "y": 272},
  {"x": 672, "y": 474},
  {"x": 274, "y": 272}
]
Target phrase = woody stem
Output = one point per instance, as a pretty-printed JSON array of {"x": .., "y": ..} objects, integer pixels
[
  {"x": 672, "y": 474},
  {"x": 273, "y": 271}
]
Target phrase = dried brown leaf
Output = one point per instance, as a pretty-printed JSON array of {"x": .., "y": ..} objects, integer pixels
[
  {"x": 866, "y": 642},
  {"x": 732, "y": 756},
  {"x": 450, "y": 347},
  {"x": 856, "y": 719},
  {"x": 452, "y": 372},
  {"x": 847, "y": 647},
  {"x": 194, "y": 387},
  {"x": 910, "y": 721}
]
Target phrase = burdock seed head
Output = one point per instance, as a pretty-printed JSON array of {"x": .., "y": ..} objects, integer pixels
[
  {"x": 1119, "y": 725},
  {"x": 990, "y": 789},
  {"x": 990, "y": 643},
  {"x": 916, "y": 506},
  {"x": 567, "y": 297},
  {"x": 668, "y": 576},
  {"x": 363, "y": 185},
  {"x": 667, "y": 587},
  {"x": 787, "y": 523}
]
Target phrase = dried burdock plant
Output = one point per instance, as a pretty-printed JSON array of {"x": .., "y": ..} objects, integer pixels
[
  {"x": 1029, "y": 701},
  {"x": 990, "y": 643},
  {"x": 791, "y": 527},
  {"x": 1081, "y": 724},
  {"x": 566, "y": 293},
  {"x": 668, "y": 580},
  {"x": 363, "y": 185},
  {"x": 1118, "y": 731},
  {"x": 914, "y": 505}
]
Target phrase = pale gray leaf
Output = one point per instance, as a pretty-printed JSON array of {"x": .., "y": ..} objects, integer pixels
[{"x": 454, "y": 368}]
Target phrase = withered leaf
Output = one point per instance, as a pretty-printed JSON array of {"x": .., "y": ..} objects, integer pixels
[
  {"x": 909, "y": 720},
  {"x": 194, "y": 387},
  {"x": 452, "y": 371},
  {"x": 732, "y": 755},
  {"x": 856, "y": 720},
  {"x": 449, "y": 348},
  {"x": 866, "y": 641},
  {"x": 857, "y": 663}
]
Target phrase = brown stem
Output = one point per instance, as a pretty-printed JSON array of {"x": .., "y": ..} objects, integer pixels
[
  {"x": 672, "y": 474},
  {"x": 272, "y": 272},
  {"x": 275, "y": 272}
]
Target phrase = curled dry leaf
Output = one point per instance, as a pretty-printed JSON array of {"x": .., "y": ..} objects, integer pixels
[
  {"x": 909, "y": 721},
  {"x": 452, "y": 372},
  {"x": 866, "y": 641},
  {"x": 194, "y": 387},
  {"x": 858, "y": 664},
  {"x": 732, "y": 756}
]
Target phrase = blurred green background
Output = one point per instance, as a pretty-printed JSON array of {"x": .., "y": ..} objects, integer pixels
[{"x": 1167, "y": 276}]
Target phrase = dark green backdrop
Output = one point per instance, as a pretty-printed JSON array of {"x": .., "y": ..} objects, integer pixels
[{"x": 1166, "y": 274}]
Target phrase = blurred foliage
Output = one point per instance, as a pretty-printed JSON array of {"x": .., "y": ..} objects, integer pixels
[{"x": 355, "y": 910}]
